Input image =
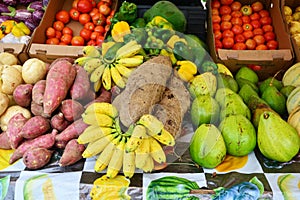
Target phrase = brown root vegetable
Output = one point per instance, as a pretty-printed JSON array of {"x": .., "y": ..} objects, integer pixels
[
  {"x": 71, "y": 132},
  {"x": 71, "y": 109},
  {"x": 81, "y": 85},
  {"x": 23, "y": 94},
  {"x": 58, "y": 82},
  {"x": 72, "y": 153},
  {"x": 43, "y": 141},
  {"x": 35, "y": 127},
  {"x": 59, "y": 122},
  {"x": 38, "y": 91},
  {"x": 35, "y": 158},
  {"x": 14, "y": 128},
  {"x": 4, "y": 141}
]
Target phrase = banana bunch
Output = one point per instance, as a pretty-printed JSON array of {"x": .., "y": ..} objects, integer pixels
[
  {"x": 138, "y": 147},
  {"x": 112, "y": 64}
]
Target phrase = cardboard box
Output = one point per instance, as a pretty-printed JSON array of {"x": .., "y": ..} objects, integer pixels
[
  {"x": 293, "y": 4},
  {"x": 37, "y": 47},
  {"x": 271, "y": 61},
  {"x": 19, "y": 50}
]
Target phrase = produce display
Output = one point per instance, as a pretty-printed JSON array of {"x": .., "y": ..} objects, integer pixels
[{"x": 147, "y": 113}]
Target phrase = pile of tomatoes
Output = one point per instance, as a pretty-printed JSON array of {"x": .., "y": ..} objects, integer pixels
[
  {"x": 94, "y": 18},
  {"x": 242, "y": 27}
]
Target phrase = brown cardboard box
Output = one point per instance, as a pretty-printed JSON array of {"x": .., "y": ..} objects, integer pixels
[
  {"x": 19, "y": 50},
  {"x": 293, "y": 4},
  {"x": 271, "y": 61},
  {"x": 37, "y": 47}
]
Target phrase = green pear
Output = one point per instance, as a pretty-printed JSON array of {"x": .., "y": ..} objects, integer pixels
[
  {"x": 271, "y": 81},
  {"x": 227, "y": 81},
  {"x": 222, "y": 93},
  {"x": 286, "y": 90},
  {"x": 246, "y": 92},
  {"x": 277, "y": 140},
  {"x": 242, "y": 81},
  {"x": 275, "y": 99},
  {"x": 248, "y": 74},
  {"x": 234, "y": 106}
]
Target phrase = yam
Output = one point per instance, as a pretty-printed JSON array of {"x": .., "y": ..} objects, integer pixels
[
  {"x": 38, "y": 91},
  {"x": 23, "y": 95},
  {"x": 81, "y": 85},
  {"x": 35, "y": 127},
  {"x": 72, "y": 153},
  {"x": 36, "y": 158},
  {"x": 4, "y": 141},
  {"x": 14, "y": 128},
  {"x": 59, "y": 122},
  {"x": 58, "y": 82},
  {"x": 71, "y": 109}
]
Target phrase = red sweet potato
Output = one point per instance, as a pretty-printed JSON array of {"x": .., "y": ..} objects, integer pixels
[
  {"x": 105, "y": 96},
  {"x": 71, "y": 109},
  {"x": 58, "y": 82},
  {"x": 59, "y": 122},
  {"x": 72, "y": 153},
  {"x": 35, "y": 127},
  {"x": 68, "y": 59},
  {"x": 35, "y": 158},
  {"x": 4, "y": 141},
  {"x": 38, "y": 91},
  {"x": 22, "y": 94},
  {"x": 37, "y": 109},
  {"x": 14, "y": 128},
  {"x": 81, "y": 84},
  {"x": 90, "y": 96},
  {"x": 71, "y": 132},
  {"x": 43, "y": 141}
]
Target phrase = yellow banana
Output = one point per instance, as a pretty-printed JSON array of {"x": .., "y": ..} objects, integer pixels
[
  {"x": 115, "y": 164},
  {"x": 97, "y": 85},
  {"x": 106, "y": 45},
  {"x": 151, "y": 123},
  {"x": 126, "y": 46},
  {"x": 116, "y": 77},
  {"x": 137, "y": 135},
  {"x": 97, "y": 119},
  {"x": 131, "y": 61},
  {"x": 93, "y": 133},
  {"x": 124, "y": 71},
  {"x": 97, "y": 146},
  {"x": 97, "y": 73},
  {"x": 102, "y": 108},
  {"x": 128, "y": 163},
  {"x": 92, "y": 64},
  {"x": 104, "y": 157},
  {"x": 129, "y": 52},
  {"x": 91, "y": 51},
  {"x": 156, "y": 151},
  {"x": 165, "y": 138},
  {"x": 106, "y": 78},
  {"x": 82, "y": 60},
  {"x": 149, "y": 165},
  {"x": 142, "y": 152}
]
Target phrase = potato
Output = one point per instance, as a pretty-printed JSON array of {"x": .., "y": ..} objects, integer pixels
[
  {"x": 22, "y": 94},
  {"x": 36, "y": 158},
  {"x": 33, "y": 70},
  {"x": 10, "y": 112},
  {"x": 10, "y": 78},
  {"x": 4, "y": 103},
  {"x": 8, "y": 59},
  {"x": 4, "y": 141}
]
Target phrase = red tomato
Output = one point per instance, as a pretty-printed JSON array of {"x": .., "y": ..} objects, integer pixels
[
  {"x": 62, "y": 43},
  {"x": 236, "y": 5},
  {"x": 218, "y": 35},
  {"x": 255, "y": 24},
  {"x": 247, "y": 27},
  {"x": 261, "y": 47},
  {"x": 99, "y": 19},
  {"x": 108, "y": 2},
  {"x": 108, "y": 18},
  {"x": 84, "y": 6},
  {"x": 215, "y": 19},
  {"x": 236, "y": 21},
  {"x": 106, "y": 28},
  {"x": 218, "y": 44},
  {"x": 215, "y": 11},
  {"x": 99, "y": 40},
  {"x": 236, "y": 13},
  {"x": 272, "y": 44},
  {"x": 258, "y": 31},
  {"x": 236, "y": 29},
  {"x": 77, "y": 41},
  {"x": 94, "y": 11},
  {"x": 74, "y": 4},
  {"x": 259, "y": 39},
  {"x": 248, "y": 34},
  {"x": 66, "y": 38},
  {"x": 67, "y": 30},
  {"x": 215, "y": 4},
  {"x": 104, "y": 9},
  {"x": 99, "y": 29},
  {"x": 91, "y": 43},
  {"x": 250, "y": 44},
  {"x": 257, "y": 6},
  {"x": 52, "y": 41},
  {"x": 90, "y": 26},
  {"x": 58, "y": 25},
  {"x": 239, "y": 38},
  {"x": 226, "y": 18},
  {"x": 227, "y": 33},
  {"x": 62, "y": 16},
  {"x": 224, "y": 10},
  {"x": 266, "y": 20},
  {"x": 255, "y": 67},
  {"x": 239, "y": 46},
  {"x": 84, "y": 18},
  {"x": 74, "y": 14},
  {"x": 58, "y": 34},
  {"x": 246, "y": 10},
  {"x": 246, "y": 19},
  {"x": 50, "y": 32},
  {"x": 93, "y": 3},
  {"x": 94, "y": 35},
  {"x": 216, "y": 26},
  {"x": 85, "y": 34},
  {"x": 226, "y": 25},
  {"x": 267, "y": 28},
  {"x": 269, "y": 36},
  {"x": 226, "y": 2},
  {"x": 228, "y": 42},
  {"x": 264, "y": 13},
  {"x": 254, "y": 16}
]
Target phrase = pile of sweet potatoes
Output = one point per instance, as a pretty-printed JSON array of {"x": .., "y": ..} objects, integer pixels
[{"x": 56, "y": 104}]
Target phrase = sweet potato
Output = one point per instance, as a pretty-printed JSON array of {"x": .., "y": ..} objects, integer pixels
[
  {"x": 68, "y": 59},
  {"x": 14, "y": 128},
  {"x": 90, "y": 96},
  {"x": 35, "y": 158},
  {"x": 71, "y": 109},
  {"x": 10, "y": 112},
  {"x": 105, "y": 96},
  {"x": 37, "y": 109},
  {"x": 59, "y": 122},
  {"x": 58, "y": 82},
  {"x": 81, "y": 84},
  {"x": 23, "y": 94},
  {"x": 72, "y": 153},
  {"x": 43, "y": 141},
  {"x": 71, "y": 132},
  {"x": 38, "y": 91},
  {"x": 4, "y": 141},
  {"x": 35, "y": 127}
]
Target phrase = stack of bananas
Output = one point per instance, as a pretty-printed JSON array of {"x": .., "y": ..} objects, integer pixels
[
  {"x": 112, "y": 64},
  {"x": 139, "y": 147}
]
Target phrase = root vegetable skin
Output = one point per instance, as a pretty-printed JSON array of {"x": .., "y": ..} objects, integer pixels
[
  {"x": 35, "y": 127},
  {"x": 59, "y": 122},
  {"x": 71, "y": 109},
  {"x": 58, "y": 82},
  {"x": 81, "y": 84},
  {"x": 37, "y": 109},
  {"x": 23, "y": 94},
  {"x": 14, "y": 128},
  {"x": 38, "y": 91},
  {"x": 4, "y": 141},
  {"x": 36, "y": 158},
  {"x": 72, "y": 153}
]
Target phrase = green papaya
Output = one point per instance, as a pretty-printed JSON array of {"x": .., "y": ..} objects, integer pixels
[
  {"x": 271, "y": 81},
  {"x": 277, "y": 140},
  {"x": 246, "y": 92},
  {"x": 239, "y": 135},
  {"x": 203, "y": 84},
  {"x": 275, "y": 99},
  {"x": 207, "y": 146},
  {"x": 221, "y": 93},
  {"x": 288, "y": 185},
  {"x": 242, "y": 81},
  {"x": 248, "y": 74},
  {"x": 227, "y": 81}
]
